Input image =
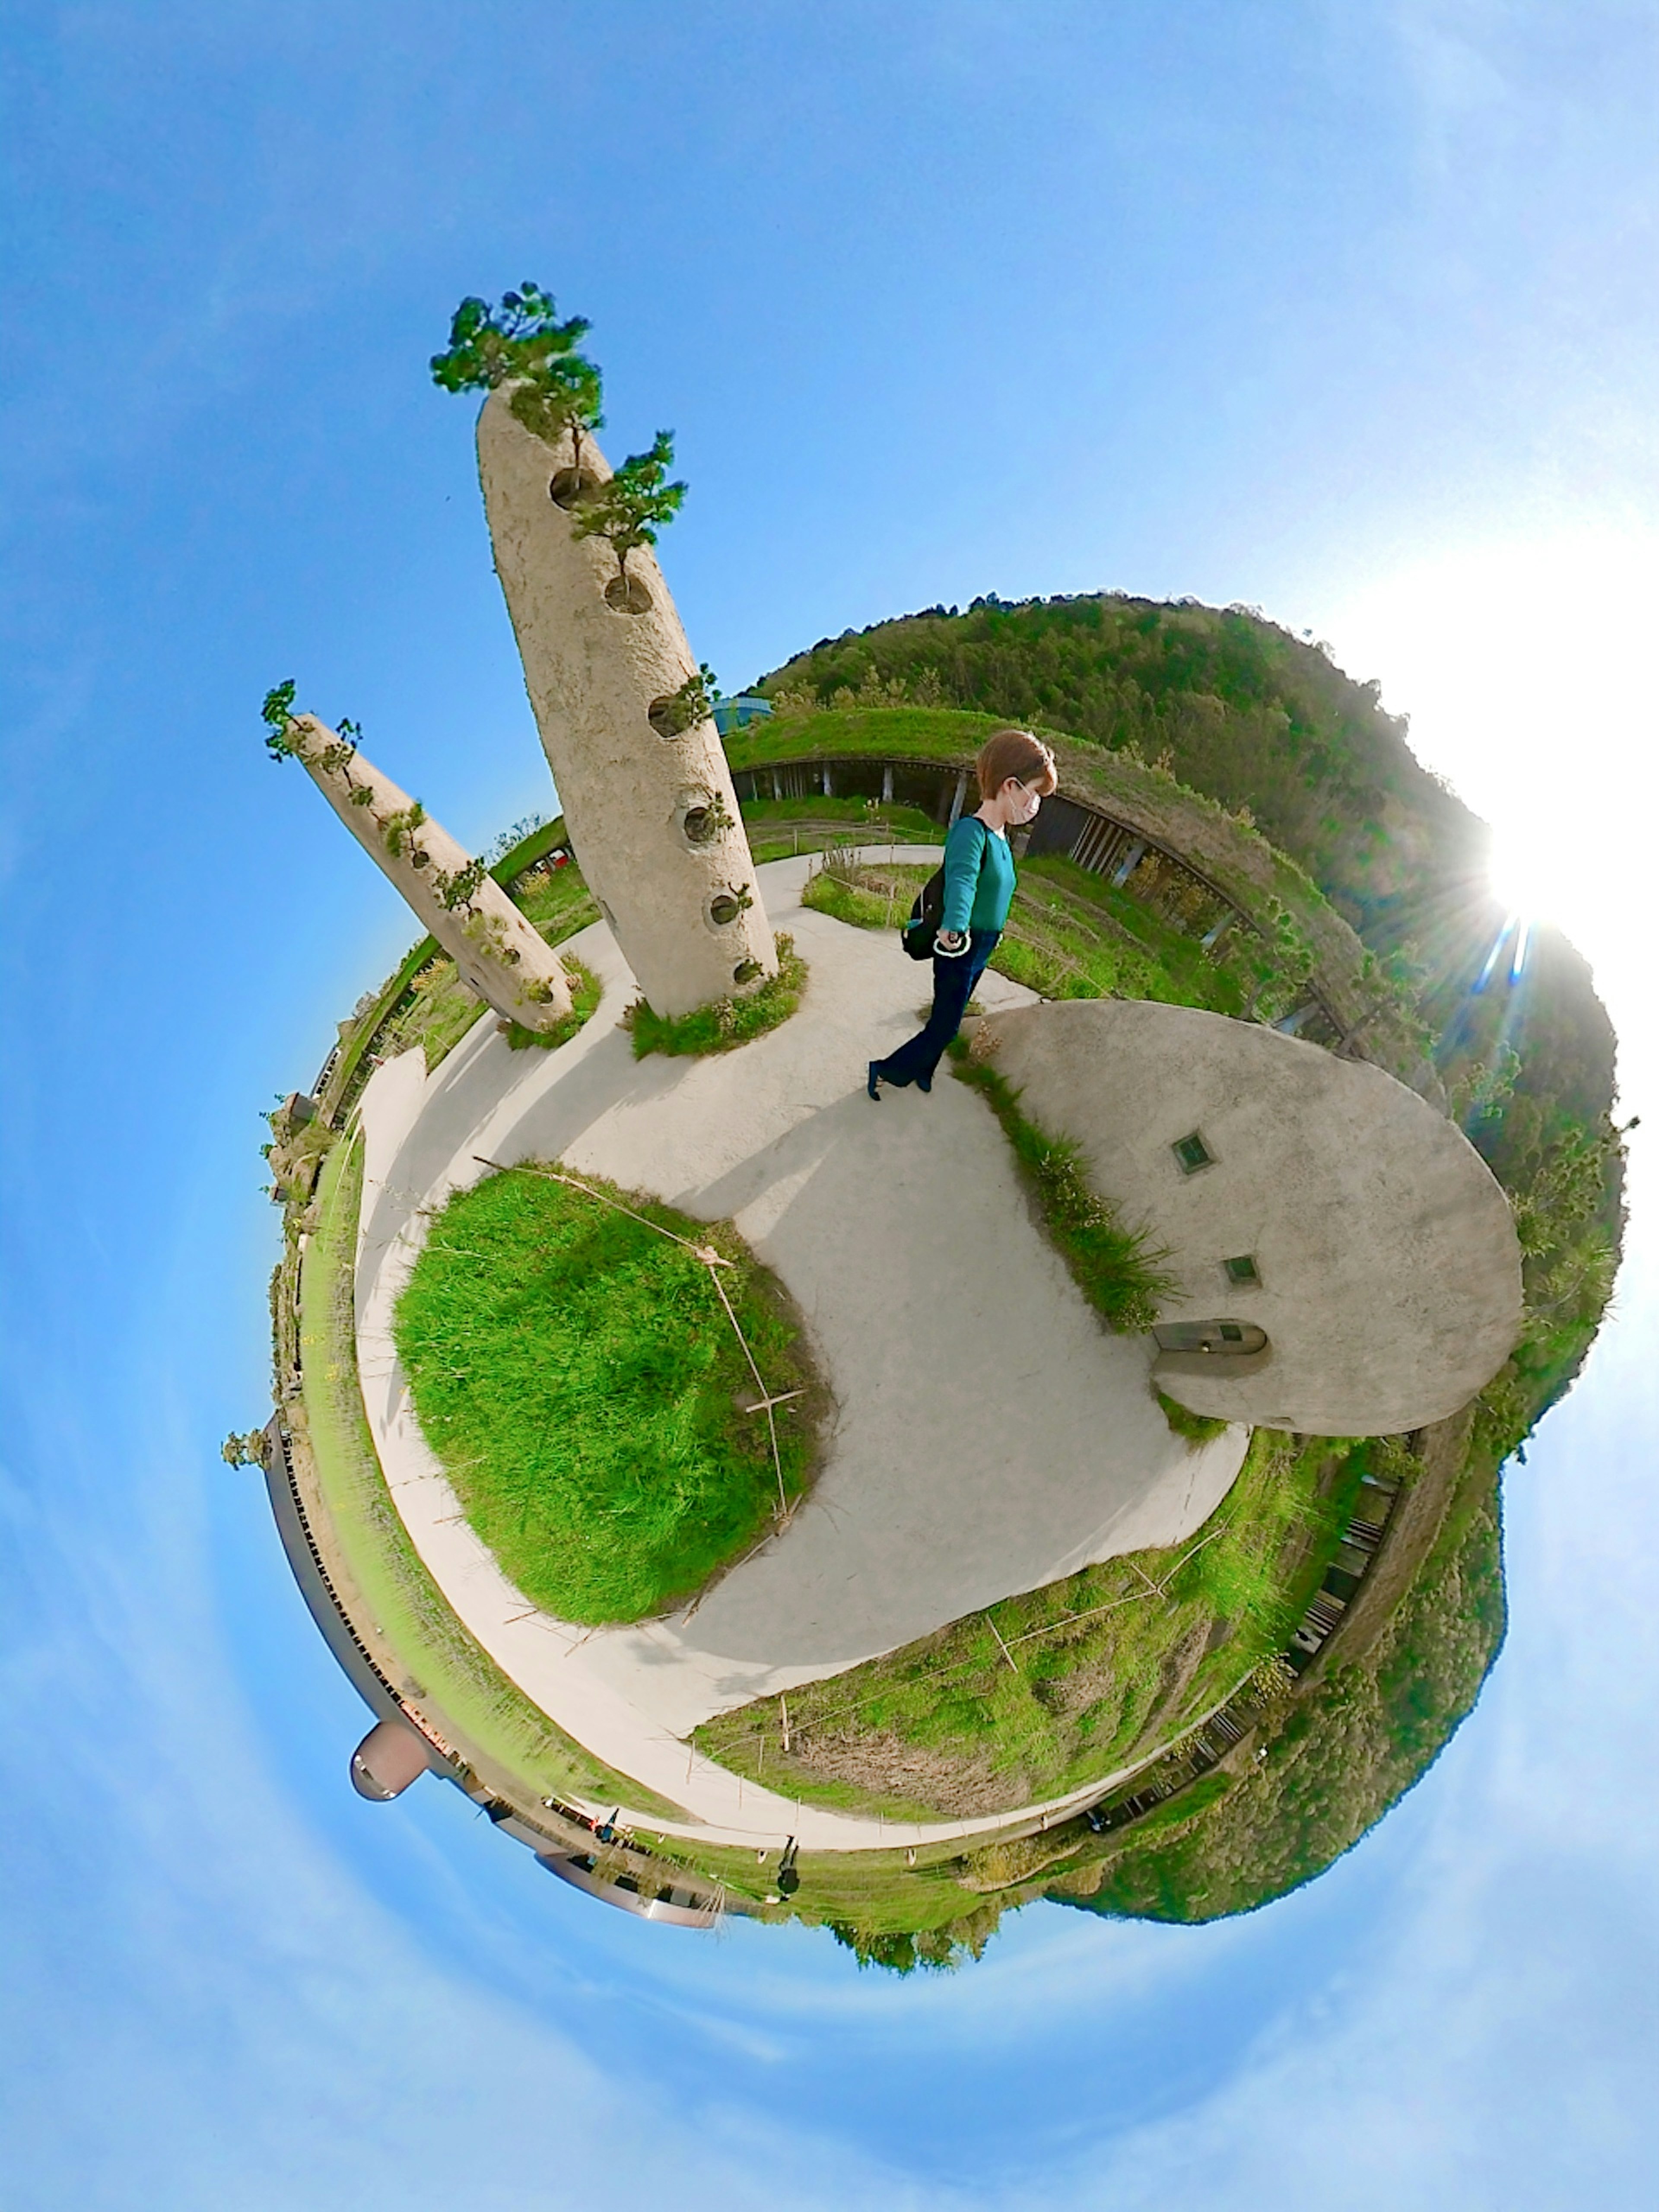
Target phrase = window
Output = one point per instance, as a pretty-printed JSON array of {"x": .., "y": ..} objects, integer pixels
[
  {"x": 1243, "y": 1269},
  {"x": 1192, "y": 1153}
]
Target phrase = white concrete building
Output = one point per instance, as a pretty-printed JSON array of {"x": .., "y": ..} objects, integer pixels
[
  {"x": 650, "y": 810},
  {"x": 1345, "y": 1263},
  {"x": 497, "y": 951}
]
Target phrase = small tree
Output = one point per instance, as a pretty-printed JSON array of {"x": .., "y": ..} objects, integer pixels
[
  {"x": 281, "y": 731},
  {"x": 523, "y": 342},
  {"x": 286, "y": 738},
  {"x": 563, "y": 396},
  {"x": 628, "y": 510},
  {"x": 693, "y": 703},
  {"x": 457, "y": 890},
  {"x": 489, "y": 346},
  {"x": 398, "y": 830}
]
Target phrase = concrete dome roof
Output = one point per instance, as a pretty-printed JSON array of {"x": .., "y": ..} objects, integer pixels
[{"x": 1369, "y": 1240}]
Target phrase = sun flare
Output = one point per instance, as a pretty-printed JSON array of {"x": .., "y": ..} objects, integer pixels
[{"x": 1523, "y": 667}]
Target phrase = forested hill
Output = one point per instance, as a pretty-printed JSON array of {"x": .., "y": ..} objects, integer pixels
[
  {"x": 1265, "y": 723},
  {"x": 1231, "y": 703}
]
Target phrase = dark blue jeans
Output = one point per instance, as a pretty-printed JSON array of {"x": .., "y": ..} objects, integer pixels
[{"x": 953, "y": 986}]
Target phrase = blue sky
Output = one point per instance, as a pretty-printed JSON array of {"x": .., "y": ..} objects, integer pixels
[{"x": 1345, "y": 311}]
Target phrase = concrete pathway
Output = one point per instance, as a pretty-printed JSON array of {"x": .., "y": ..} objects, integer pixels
[{"x": 988, "y": 1437}]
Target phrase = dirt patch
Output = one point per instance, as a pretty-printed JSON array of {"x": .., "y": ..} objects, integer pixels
[{"x": 905, "y": 1777}]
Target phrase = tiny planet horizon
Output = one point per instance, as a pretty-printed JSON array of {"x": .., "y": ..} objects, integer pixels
[{"x": 803, "y": 1627}]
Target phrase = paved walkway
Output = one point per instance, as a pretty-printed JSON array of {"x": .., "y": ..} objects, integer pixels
[{"x": 988, "y": 1437}]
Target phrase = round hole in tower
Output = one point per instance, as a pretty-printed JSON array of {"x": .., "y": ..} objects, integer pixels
[
  {"x": 667, "y": 716},
  {"x": 570, "y": 485},
  {"x": 628, "y": 596},
  {"x": 724, "y": 909},
  {"x": 702, "y": 824},
  {"x": 746, "y": 971}
]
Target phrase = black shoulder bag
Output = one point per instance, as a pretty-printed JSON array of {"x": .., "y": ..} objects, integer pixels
[{"x": 917, "y": 935}]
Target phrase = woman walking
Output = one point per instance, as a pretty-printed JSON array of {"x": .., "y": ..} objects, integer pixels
[{"x": 1016, "y": 773}]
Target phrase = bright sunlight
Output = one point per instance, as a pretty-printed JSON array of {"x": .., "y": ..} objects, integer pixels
[{"x": 1526, "y": 667}]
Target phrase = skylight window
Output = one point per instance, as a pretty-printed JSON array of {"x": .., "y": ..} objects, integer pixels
[{"x": 1192, "y": 1153}]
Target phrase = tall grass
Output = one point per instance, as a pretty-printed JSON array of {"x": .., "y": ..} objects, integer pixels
[{"x": 1120, "y": 1271}]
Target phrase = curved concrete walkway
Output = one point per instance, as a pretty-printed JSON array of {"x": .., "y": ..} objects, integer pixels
[{"x": 988, "y": 1438}]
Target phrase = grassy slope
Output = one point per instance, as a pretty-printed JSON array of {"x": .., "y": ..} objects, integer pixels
[
  {"x": 1260, "y": 721},
  {"x": 1239, "y": 707},
  {"x": 1108, "y": 1665},
  {"x": 1069, "y": 934},
  {"x": 446, "y": 1671},
  {"x": 576, "y": 1373},
  {"x": 778, "y": 828},
  {"x": 1363, "y": 1734}
]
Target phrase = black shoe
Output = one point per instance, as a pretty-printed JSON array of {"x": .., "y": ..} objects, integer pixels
[
  {"x": 872, "y": 1080},
  {"x": 924, "y": 1083}
]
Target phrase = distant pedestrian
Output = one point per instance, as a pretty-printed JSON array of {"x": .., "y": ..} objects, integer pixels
[{"x": 1016, "y": 773}]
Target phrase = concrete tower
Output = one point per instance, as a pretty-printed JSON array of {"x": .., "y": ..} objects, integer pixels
[
  {"x": 495, "y": 949},
  {"x": 651, "y": 809}
]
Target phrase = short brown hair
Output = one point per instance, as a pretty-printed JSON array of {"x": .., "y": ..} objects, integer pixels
[{"x": 1016, "y": 753}]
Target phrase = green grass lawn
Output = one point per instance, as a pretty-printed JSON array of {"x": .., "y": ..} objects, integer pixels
[
  {"x": 452, "y": 1679},
  {"x": 557, "y": 902},
  {"x": 1065, "y": 1685},
  {"x": 577, "y": 1375},
  {"x": 878, "y": 896}
]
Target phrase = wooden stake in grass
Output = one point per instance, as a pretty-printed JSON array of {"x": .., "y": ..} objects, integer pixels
[{"x": 580, "y": 1317}]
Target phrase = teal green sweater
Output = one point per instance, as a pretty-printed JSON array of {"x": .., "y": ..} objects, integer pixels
[{"x": 976, "y": 895}]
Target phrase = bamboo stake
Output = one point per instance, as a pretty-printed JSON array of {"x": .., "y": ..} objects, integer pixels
[{"x": 1001, "y": 1646}]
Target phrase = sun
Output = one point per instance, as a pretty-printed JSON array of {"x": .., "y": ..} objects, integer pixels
[
  {"x": 1520, "y": 664},
  {"x": 1520, "y": 874}
]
